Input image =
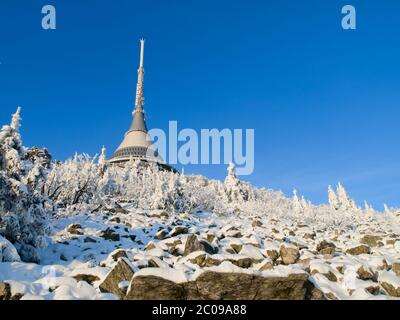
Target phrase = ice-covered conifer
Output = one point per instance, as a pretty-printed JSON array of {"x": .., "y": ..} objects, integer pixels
[
  {"x": 16, "y": 120},
  {"x": 332, "y": 197},
  {"x": 22, "y": 216},
  {"x": 296, "y": 201}
]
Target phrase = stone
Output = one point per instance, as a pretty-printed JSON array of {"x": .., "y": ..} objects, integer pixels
[
  {"x": 390, "y": 289},
  {"x": 122, "y": 271},
  {"x": 75, "y": 229},
  {"x": 365, "y": 274},
  {"x": 154, "y": 288},
  {"x": 268, "y": 265},
  {"x": 237, "y": 286},
  {"x": 396, "y": 268},
  {"x": 374, "y": 290},
  {"x": 236, "y": 247},
  {"x": 226, "y": 286},
  {"x": 310, "y": 236},
  {"x": 116, "y": 220},
  {"x": 150, "y": 246},
  {"x": 331, "y": 296},
  {"x": 329, "y": 275},
  {"x": 5, "y": 291},
  {"x": 325, "y": 247},
  {"x": 210, "y": 237},
  {"x": 256, "y": 223},
  {"x": 193, "y": 244},
  {"x": 110, "y": 234},
  {"x": 86, "y": 277},
  {"x": 179, "y": 230},
  {"x": 119, "y": 254},
  {"x": 211, "y": 262},
  {"x": 199, "y": 260},
  {"x": 161, "y": 235},
  {"x": 212, "y": 285},
  {"x": 89, "y": 240},
  {"x": 328, "y": 251},
  {"x": 289, "y": 254},
  {"x": 361, "y": 249},
  {"x": 372, "y": 241},
  {"x": 116, "y": 210},
  {"x": 272, "y": 254},
  {"x": 244, "y": 263},
  {"x": 234, "y": 234}
]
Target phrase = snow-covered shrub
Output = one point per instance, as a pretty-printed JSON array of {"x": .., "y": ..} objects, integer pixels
[
  {"x": 23, "y": 220},
  {"x": 8, "y": 253}
]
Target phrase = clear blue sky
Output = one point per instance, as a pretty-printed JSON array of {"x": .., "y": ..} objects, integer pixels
[{"x": 324, "y": 102}]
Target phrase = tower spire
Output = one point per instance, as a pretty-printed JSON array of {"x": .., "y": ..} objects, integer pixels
[
  {"x": 138, "y": 122},
  {"x": 139, "y": 102}
]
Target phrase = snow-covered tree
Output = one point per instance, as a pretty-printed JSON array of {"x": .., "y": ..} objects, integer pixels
[
  {"x": 22, "y": 217},
  {"x": 296, "y": 202},
  {"x": 333, "y": 200}
]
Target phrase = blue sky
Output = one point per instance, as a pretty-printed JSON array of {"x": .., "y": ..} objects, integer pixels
[{"x": 324, "y": 102}]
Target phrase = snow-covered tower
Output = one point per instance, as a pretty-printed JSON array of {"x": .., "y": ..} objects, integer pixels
[{"x": 136, "y": 143}]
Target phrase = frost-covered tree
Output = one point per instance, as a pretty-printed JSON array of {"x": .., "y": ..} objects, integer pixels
[
  {"x": 296, "y": 202},
  {"x": 333, "y": 200},
  {"x": 22, "y": 217},
  {"x": 102, "y": 160},
  {"x": 344, "y": 201}
]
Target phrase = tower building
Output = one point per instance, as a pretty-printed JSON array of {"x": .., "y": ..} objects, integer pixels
[{"x": 136, "y": 143}]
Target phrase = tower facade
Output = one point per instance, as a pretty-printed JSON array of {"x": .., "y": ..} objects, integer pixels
[{"x": 136, "y": 143}]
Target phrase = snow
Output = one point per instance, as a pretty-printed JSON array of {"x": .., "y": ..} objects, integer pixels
[
  {"x": 390, "y": 278},
  {"x": 251, "y": 252},
  {"x": 228, "y": 267},
  {"x": 170, "y": 274},
  {"x": 8, "y": 253},
  {"x": 397, "y": 246}
]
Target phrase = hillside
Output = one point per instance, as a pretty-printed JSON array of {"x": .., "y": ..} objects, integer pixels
[{"x": 82, "y": 229}]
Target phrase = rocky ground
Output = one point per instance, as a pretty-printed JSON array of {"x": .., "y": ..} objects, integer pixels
[{"x": 123, "y": 253}]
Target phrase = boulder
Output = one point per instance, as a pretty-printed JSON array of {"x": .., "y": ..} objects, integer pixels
[
  {"x": 226, "y": 286},
  {"x": 289, "y": 254},
  {"x": 161, "y": 235},
  {"x": 110, "y": 234},
  {"x": 390, "y": 282},
  {"x": 155, "y": 288},
  {"x": 236, "y": 247},
  {"x": 266, "y": 265},
  {"x": 272, "y": 254},
  {"x": 119, "y": 254},
  {"x": 199, "y": 260},
  {"x": 178, "y": 230},
  {"x": 89, "y": 278},
  {"x": 325, "y": 247},
  {"x": 361, "y": 249},
  {"x": 391, "y": 289},
  {"x": 89, "y": 240},
  {"x": 212, "y": 285},
  {"x": 372, "y": 241},
  {"x": 193, "y": 245},
  {"x": 122, "y": 271},
  {"x": 238, "y": 286},
  {"x": 75, "y": 229},
  {"x": 116, "y": 210},
  {"x": 244, "y": 263},
  {"x": 365, "y": 273},
  {"x": 5, "y": 291},
  {"x": 310, "y": 236},
  {"x": 256, "y": 223},
  {"x": 396, "y": 268}
]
